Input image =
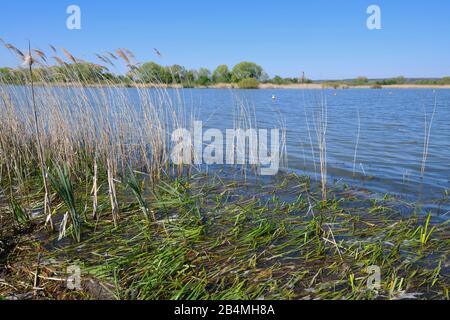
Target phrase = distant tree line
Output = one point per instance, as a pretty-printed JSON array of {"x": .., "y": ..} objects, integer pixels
[
  {"x": 378, "y": 83},
  {"x": 442, "y": 81},
  {"x": 82, "y": 72},
  {"x": 152, "y": 72},
  {"x": 244, "y": 74}
]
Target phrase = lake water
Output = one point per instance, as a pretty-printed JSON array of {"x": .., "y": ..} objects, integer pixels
[
  {"x": 391, "y": 126},
  {"x": 390, "y": 123}
]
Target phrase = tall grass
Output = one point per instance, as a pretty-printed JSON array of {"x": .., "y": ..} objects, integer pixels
[
  {"x": 95, "y": 127},
  {"x": 317, "y": 110},
  {"x": 84, "y": 124},
  {"x": 28, "y": 61},
  {"x": 321, "y": 126}
]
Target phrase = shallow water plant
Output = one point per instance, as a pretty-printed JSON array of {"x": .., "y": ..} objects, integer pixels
[
  {"x": 20, "y": 215},
  {"x": 28, "y": 61},
  {"x": 137, "y": 189},
  {"x": 424, "y": 231},
  {"x": 60, "y": 181},
  {"x": 272, "y": 255}
]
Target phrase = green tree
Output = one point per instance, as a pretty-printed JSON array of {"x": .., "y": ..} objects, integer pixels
[
  {"x": 203, "y": 77},
  {"x": 222, "y": 74},
  {"x": 278, "y": 80},
  {"x": 445, "y": 80},
  {"x": 393, "y": 81},
  {"x": 152, "y": 72},
  {"x": 177, "y": 73},
  {"x": 360, "y": 81},
  {"x": 246, "y": 70},
  {"x": 400, "y": 80},
  {"x": 189, "y": 77}
]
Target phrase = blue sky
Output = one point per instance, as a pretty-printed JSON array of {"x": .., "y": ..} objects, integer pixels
[{"x": 328, "y": 39}]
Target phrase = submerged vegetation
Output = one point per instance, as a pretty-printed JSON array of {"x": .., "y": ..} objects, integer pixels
[
  {"x": 140, "y": 226},
  {"x": 213, "y": 239}
]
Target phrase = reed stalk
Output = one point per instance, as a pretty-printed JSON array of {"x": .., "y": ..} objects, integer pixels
[
  {"x": 426, "y": 138},
  {"x": 321, "y": 125},
  {"x": 47, "y": 201}
]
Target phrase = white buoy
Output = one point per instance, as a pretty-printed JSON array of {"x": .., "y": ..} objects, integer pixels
[{"x": 274, "y": 97}]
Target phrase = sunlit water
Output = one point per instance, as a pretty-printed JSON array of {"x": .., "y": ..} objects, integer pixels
[
  {"x": 387, "y": 157},
  {"x": 391, "y": 125}
]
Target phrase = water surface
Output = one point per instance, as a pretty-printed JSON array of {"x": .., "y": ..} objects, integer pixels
[
  {"x": 391, "y": 126},
  {"x": 375, "y": 138}
]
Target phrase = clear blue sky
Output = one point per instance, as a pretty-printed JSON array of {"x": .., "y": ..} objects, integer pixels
[{"x": 326, "y": 39}]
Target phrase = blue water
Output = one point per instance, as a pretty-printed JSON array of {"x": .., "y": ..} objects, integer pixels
[
  {"x": 391, "y": 135},
  {"x": 390, "y": 122}
]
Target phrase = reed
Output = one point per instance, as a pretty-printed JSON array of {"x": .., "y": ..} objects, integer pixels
[
  {"x": 358, "y": 135},
  {"x": 426, "y": 137},
  {"x": 89, "y": 123},
  {"x": 321, "y": 126},
  {"x": 28, "y": 61},
  {"x": 97, "y": 129},
  {"x": 215, "y": 243}
]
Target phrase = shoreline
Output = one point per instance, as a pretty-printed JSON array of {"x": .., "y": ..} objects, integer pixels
[
  {"x": 320, "y": 86},
  {"x": 263, "y": 86}
]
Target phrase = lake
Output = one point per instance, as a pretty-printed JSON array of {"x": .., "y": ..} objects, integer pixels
[
  {"x": 375, "y": 138},
  {"x": 391, "y": 126}
]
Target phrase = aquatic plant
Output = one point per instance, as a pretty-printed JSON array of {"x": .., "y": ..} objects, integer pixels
[
  {"x": 425, "y": 232},
  {"x": 212, "y": 241},
  {"x": 137, "y": 189},
  {"x": 21, "y": 217},
  {"x": 60, "y": 181}
]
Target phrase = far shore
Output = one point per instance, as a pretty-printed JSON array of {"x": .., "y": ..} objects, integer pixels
[
  {"x": 320, "y": 86},
  {"x": 306, "y": 86}
]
